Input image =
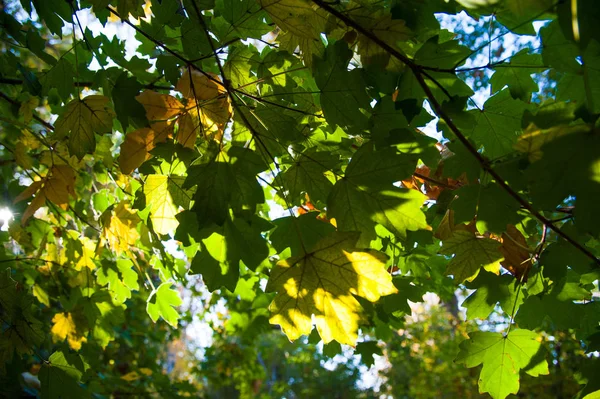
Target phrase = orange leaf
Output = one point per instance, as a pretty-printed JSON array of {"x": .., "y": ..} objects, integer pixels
[{"x": 159, "y": 106}]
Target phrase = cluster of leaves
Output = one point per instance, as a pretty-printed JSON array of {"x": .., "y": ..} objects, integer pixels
[{"x": 231, "y": 110}]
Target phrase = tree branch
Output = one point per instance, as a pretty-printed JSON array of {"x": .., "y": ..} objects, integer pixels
[{"x": 417, "y": 70}]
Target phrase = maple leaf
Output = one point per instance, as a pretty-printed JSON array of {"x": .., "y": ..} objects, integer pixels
[
  {"x": 67, "y": 326},
  {"x": 517, "y": 258},
  {"x": 82, "y": 119},
  {"x": 162, "y": 208},
  {"x": 60, "y": 375},
  {"x": 503, "y": 356},
  {"x": 86, "y": 251},
  {"x": 136, "y": 147},
  {"x": 471, "y": 253},
  {"x": 322, "y": 282},
  {"x": 208, "y": 106},
  {"x": 165, "y": 300},
  {"x": 120, "y": 228},
  {"x": 58, "y": 186},
  {"x": 120, "y": 281},
  {"x": 158, "y": 106}
]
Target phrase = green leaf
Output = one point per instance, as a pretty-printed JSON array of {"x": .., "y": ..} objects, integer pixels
[
  {"x": 471, "y": 253},
  {"x": 161, "y": 303},
  {"x": 308, "y": 174},
  {"x": 343, "y": 94},
  {"x": 123, "y": 94},
  {"x": 497, "y": 126},
  {"x": 245, "y": 18},
  {"x": 60, "y": 76},
  {"x": 299, "y": 233},
  {"x": 490, "y": 290},
  {"x": 516, "y": 74},
  {"x": 120, "y": 281},
  {"x": 367, "y": 350},
  {"x": 568, "y": 167},
  {"x": 82, "y": 120},
  {"x": 229, "y": 181},
  {"x": 60, "y": 376},
  {"x": 218, "y": 260},
  {"x": 503, "y": 357}
]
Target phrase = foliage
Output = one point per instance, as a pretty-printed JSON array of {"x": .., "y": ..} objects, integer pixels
[{"x": 278, "y": 150}]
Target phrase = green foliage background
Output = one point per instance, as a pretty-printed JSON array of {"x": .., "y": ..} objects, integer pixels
[{"x": 274, "y": 149}]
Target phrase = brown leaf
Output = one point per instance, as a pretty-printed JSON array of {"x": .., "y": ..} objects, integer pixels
[{"x": 517, "y": 259}]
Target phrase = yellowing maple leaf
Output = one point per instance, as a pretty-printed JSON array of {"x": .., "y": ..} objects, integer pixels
[
  {"x": 322, "y": 283},
  {"x": 471, "y": 253},
  {"x": 159, "y": 107},
  {"x": 120, "y": 228},
  {"x": 65, "y": 326},
  {"x": 533, "y": 138},
  {"x": 86, "y": 253},
  {"x": 162, "y": 208},
  {"x": 27, "y": 108},
  {"x": 83, "y": 118},
  {"x": 208, "y": 107},
  {"x": 136, "y": 147},
  {"x": 58, "y": 186}
]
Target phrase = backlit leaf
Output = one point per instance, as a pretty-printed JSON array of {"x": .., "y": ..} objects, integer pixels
[
  {"x": 471, "y": 253},
  {"x": 321, "y": 283},
  {"x": 162, "y": 208},
  {"x": 81, "y": 120},
  {"x": 503, "y": 357},
  {"x": 162, "y": 302}
]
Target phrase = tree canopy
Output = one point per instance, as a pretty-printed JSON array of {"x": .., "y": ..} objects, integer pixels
[{"x": 312, "y": 167}]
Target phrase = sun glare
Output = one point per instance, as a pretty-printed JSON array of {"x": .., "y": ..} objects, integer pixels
[{"x": 5, "y": 217}]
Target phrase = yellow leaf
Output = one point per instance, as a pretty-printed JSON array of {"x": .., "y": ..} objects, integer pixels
[
  {"x": 208, "y": 106},
  {"x": 131, "y": 376},
  {"x": 29, "y": 140},
  {"x": 120, "y": 230},
  {"x": 299, "y": 17},
  {"x": 83, "y": 118},
  {"x": 22, "y": 157},
  {"x": 135, "y": 149},
  {"x": 41, "y": 295},
  {"x": 162, "y": 208},
  {"x": 65, "y": 326},
  {"x": 447, "y": 227},
  {"x": 28, "y": 192},
  {"x": 323, "y": 283},
  {"x": 189, "y": 127},
  {"x": 27, "y": 108},
  {"x": 146, "y": 371},
  {"x": 159, "y": 107},
  {"x": 85, "y": 256}
]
